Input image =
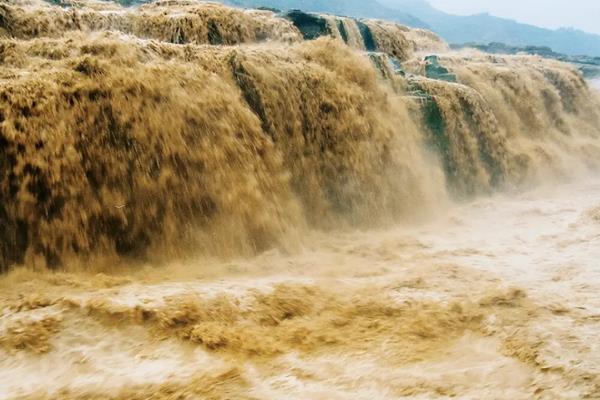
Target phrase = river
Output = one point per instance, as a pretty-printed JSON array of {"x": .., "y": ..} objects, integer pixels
[
  {"x": 197, "y": 203},
  {"x": 498, "y": 298}
]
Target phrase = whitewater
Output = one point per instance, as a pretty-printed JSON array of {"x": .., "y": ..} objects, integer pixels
[
  {"x": 498, "y": 298},
  {"x": 204, "y": 202}
]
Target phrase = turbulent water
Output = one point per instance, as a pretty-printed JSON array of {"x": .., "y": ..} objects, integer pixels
[
  {"x": 499, "y": 298},
  {"x": 199, "y": 201}
]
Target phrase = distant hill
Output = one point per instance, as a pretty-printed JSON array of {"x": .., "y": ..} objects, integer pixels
[
  {"x": 485, "y": 28},
  {"x": 350, "y": 8}
]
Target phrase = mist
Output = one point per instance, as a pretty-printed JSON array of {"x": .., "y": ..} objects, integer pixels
[{"x": 580, "y": 14}]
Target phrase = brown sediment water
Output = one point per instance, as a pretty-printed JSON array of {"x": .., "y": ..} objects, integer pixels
[
  {"x": 122, "y": 145},
  {"x": 496, "y": 298},
  {"x": 197, "y": 203},
  {"x": 176, "y": 22},
  {"x": 519, "y": 117}
]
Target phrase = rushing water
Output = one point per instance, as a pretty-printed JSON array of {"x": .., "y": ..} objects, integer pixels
[
  {"x": 277, "y": 218},
  {"x": 128, "y": 135},
  {"x": 499, "y": 298}
]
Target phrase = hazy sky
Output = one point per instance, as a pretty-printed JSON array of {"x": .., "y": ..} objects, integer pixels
[{"x": 582, "y": 14}]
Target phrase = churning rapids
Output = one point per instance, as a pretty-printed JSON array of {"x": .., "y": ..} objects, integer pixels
[
  {"x": 498, "y": 298},
  {"x": 204, "y": 202}
]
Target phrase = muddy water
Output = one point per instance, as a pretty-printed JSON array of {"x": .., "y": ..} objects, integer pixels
[
  {"x": 498, "y": 298},
  {"x": 132, "y": 136}
]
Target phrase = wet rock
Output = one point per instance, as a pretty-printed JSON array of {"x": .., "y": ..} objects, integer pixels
[
  {"x": 342, "y": 30},
  {"x": 434, "y": 70},
  {"x": 311, "y": 26},
  {"x": 397, "y": 66},
  {"x": 387, "y": 66},
  {"x": 367, "y": 35}
]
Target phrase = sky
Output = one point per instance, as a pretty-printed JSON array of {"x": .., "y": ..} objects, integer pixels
[{"x": 581, "y": 14}]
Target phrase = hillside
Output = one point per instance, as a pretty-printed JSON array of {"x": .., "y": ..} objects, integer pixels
[
  {"x": 485, "y": 28},
  {"x": 351, "y": 8}
]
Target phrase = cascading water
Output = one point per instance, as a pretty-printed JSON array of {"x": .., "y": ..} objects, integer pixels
[{"x": 273, "y": 193}]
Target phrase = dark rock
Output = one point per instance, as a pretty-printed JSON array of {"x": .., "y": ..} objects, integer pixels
[
  {"x": 434, "y": 70},
  {"x": 272, "y": 9},
  {"x": 311, "y": 26},
  {"x": 342, "y": 30},
  {"x": 397, "y": 66},
  {"x": 367, "y": 36},
  {"x": 386, "y": 65}
]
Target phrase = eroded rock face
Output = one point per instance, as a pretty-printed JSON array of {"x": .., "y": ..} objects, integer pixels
[
  {"x": 398, "y": 41},
  {"x": 311, "y": 26},
  {"x": 434, "y": 70}
]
